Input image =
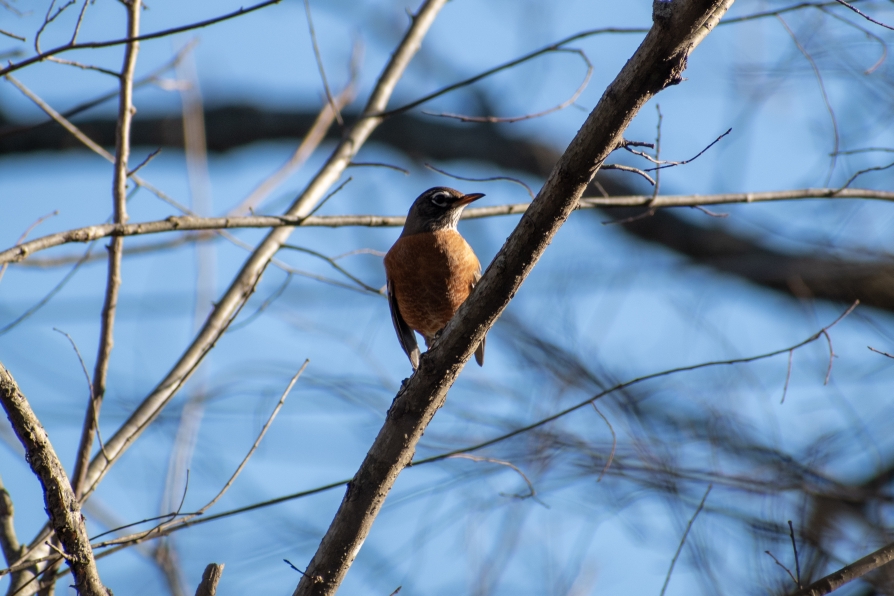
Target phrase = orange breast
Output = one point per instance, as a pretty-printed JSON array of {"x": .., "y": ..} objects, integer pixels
[{"x": 431, "y": 274}]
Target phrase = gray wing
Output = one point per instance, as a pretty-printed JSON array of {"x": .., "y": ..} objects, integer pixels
[
  {"x": 405, "y": 335},
  {"x": 479, "y": 352}
]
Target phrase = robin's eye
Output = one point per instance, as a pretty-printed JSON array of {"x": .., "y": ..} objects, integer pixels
[{"x": 439, "y": 199}]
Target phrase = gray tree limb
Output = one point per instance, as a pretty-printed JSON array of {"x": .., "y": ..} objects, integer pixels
[{"x": 59, "y": 499}]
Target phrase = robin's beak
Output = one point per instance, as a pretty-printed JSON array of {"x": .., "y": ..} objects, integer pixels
[{"x": 466, "y": 199}]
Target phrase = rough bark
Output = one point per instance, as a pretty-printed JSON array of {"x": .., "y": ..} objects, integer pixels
[
  {"x": 59, "y": 499},
  {"x": 210, "y": 579}
]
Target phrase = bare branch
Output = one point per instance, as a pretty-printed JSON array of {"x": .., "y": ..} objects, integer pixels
[
  {"x": 257, "y": 442},
  {"x": 507, "y": 65},
  {"x": 487, "y": 179},
  {"x": 683, "y": 539},
  {"x": 61, "y": 504},
  {"x": 24, "y": 235},
  {"x": 822, "y": 85},
  {"x": 611, "y": 455},
  {"x": 849, "y": 573},
  {"x": 864, "y": 15},
  {"x": 313, "y": 38},
  {"x": 509, "y": 120},
  {"x": 623, "y": 168},
  {"x": 511, "y": 466},
  {"x": 20, "y": 252},
  {"x": 116, "y": 249}
]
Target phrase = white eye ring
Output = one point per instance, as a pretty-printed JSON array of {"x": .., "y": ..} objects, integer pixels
[{"x": 439, "y": 199}]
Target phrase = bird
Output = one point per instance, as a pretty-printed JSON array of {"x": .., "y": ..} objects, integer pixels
[{"x": 431, "y": 269}]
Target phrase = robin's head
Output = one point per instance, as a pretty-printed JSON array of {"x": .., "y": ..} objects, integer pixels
[{"x": 437, "y": 208}]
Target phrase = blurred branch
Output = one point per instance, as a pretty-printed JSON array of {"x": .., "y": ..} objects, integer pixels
[
  {"x": 308, "y": 145},
  {"x": 184, "y": 223},
  {"x": 132, "y": 39},
  {"x": 821, "y": 333},
  {"x": 61, "y": 505}
]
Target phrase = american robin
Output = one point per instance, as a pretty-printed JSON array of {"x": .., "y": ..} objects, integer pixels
[{"x": 431, "y": 269}]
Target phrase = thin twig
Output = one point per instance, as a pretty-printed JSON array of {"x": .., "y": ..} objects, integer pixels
[
  {"x": 22, "y": 251},
  {"x": 24, "y": 235},
  {"x": 611, "y": 455},
  {"x": 334, "y": 265},
  {"x": 623, "y": 168},
  {"x": 788, "y": 376},
  {"x": 378, "y": 164},
  {"x": 861, "y": 172},
  {"x": 864, "y": 15},
  {"x": 509, "y": 120},
  {"x": 507, "y": 65},
  {"x": 787, "y": 570},
  {"x": 77, "y": 29},
  {"x": 257, "y": 442},
  {"x": 791, "y": 529},
  {"x": 313, "y": 38},
  {"x": 822, "y": 85},
  {"x": 12, "y": 35},
  {"x": 683, "y": 539},
  {"x": 49, "y": 295},
  {"x": 477, "y": 458},
  {"x": 868, "y": 34},
  {"x": 831, "y": 356},
  {"x": 671, "y": 164},
  {"x": 117, "y": 42},
  {"x": 149, "y": 158},
  {"x": 658, "y": 153},
  {"x": 487, "y": 179},
  {"x": 880, "y": 352}
]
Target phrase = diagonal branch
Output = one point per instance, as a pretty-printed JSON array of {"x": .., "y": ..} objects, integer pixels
[
  {"x": 61, "y": 504},
  {"x": 658, "y": 62},
  {"x": 847, "y": 574}
]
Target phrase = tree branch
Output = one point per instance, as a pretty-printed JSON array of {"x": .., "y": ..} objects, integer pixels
[
  {"x": 61, "y": 505},
  {"x": 116, "y": 249},
  {"x": 847, "y": 574},
  {"x": 184, "y": 223},
  {"x": 657, "y": 63}
]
